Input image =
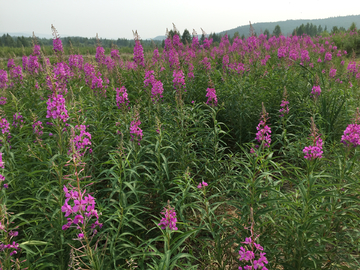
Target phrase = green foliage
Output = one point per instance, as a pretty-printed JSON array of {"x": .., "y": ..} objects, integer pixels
[{"x": 306, "y": 212}]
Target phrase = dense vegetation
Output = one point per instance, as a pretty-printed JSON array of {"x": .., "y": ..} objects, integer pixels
[{"x": 195, "y": 156}]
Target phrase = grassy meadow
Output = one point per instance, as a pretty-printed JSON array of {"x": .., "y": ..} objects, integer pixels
[{"x": 243, "y": 155}]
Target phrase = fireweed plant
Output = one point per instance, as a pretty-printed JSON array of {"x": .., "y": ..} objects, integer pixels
[
  {"x": 8, "y": 245},
  {"x": 79, "y": 207},
  {"x": 152, "y": 124}
]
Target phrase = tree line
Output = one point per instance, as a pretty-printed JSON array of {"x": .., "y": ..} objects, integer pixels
[{"x": 18, "y": 42}]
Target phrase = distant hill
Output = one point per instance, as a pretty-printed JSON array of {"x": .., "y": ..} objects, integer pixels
[
  {"x": 159, "y": 38},
  {"x": 27, "y": 34},
  {"x": 288, "y": 26}
]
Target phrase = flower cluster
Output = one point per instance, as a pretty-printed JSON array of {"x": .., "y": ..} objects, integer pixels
[
  {"x": 248, "y": 255},
  {"x": 100, "y": 55},
  {"x": 351, "y": 135},
  {"x": 57, "y": 45},
  {"x": 18, "y": 120},
  {"x": 211, "y": 95},
  {"x": 121, "y": 97},
  {"x": 284, "y": 107},
  {"x": 110, "y": 63},
  {"x": 169, "y": 220},
  {"x": 332, "y": 73},
  {"x": 56, "y": 108},
  {"x": 316, "y": 91},
  {"x": 33, "y": 65},
  {"x": 36, "y": 50},
  {"x": 38, "y": 128},
  {"x": 139, "y": 54},
  {"x": 314, "y": 151},
  {"x": 3, "y": 100},
  {"x": 156, "y": 56},
  {"x": 16, "y": 74},
  {"x": 82, "y": 207},
  {"x": 264, "y": 131},
  {"x": 76, "y": 62},
  {"x": 62, "y": 74},
  {"x": 14, "y": 245},
  {"x": 81, "y": 142},
  {"x": 179, "y": 80},
  {"x": 157, "y": 90},
  {"x": 149, "y": 78},
  {"x": 5, "y": 126},
  {"x": 115, "y": 54},
  {"x": 11, "y": 64},
  {"x": 24, "y": 62},
  {"x": 206, "y": 63},
  {"x": 157, "y": 86},
  {"x": 134, "y": 129},
  {"x": 3, "y": 78},
  {"x": 203, "y": 184}
]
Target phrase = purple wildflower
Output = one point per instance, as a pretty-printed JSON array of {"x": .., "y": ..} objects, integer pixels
[
  {"x": 83, "y": 207},
  {"x": 16, "y": 74},
  {"x": 3, "y": 78},
  {"x": 76, "y": 62},
  {"x": 284, "y": 107},
  {"x": 3, "y": 100},
  {"x": 328, "y": 56},
  {"x": 169, "y": 220},
  {"x": 211, "y": 95},
  {"x": 249, "y": 255},
  {"x": 316, "y": 91},
  {"x": 56, "y": 108},
  {"x": 38, "y": 128},
  {"x": 121, "y": 97},
  {"x": 203, "y": 184},
  {"x": 33, "y": 65},
  {"x": 351, "y": 135},
  {"x": 57, "y": 45},
  {"x": 18, "y": 120},
  {"x": 179, "y": 80},
  {"x": 81, "y": 142},
  {"x": 332, "y": 73},
  {"x": 314, "y": 151},
  {"x": 134, "y": 129},
  {"x": 139, "y": 54},
  {"x": 264, "y": 131},
  {"x": 36, "y": 50},
  {"x": 11, "y": 64},
  {"x": 24, "y": 62},
  {"x": 156, "y": 56},
  {"x": 5, "y": 126},
  {"x": 157, "y": 90}
]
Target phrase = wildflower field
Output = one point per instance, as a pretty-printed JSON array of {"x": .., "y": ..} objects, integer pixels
[{"x": 243, "y": 155}]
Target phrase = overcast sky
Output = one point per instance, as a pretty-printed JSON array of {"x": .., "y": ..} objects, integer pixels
[{"x": 117, "y": 18}]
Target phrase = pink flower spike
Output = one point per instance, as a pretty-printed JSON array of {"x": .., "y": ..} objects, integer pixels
[
  {"x": 199, "y": 186},
  {"x": 247, "y": 241}
]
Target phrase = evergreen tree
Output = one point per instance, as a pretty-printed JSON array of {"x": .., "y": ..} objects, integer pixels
[
  {"x": 201, "y": 41},
  {"x": 267, "y": 33},
  {"x": 319, "y": 30},
  {"x": 186, "y": 37},
  {"x": 9, "y": 41},
  {"x": 277, "y": 31},
  {"x": 334, "y": 30},
  {"x": 352, "y": 27}
]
